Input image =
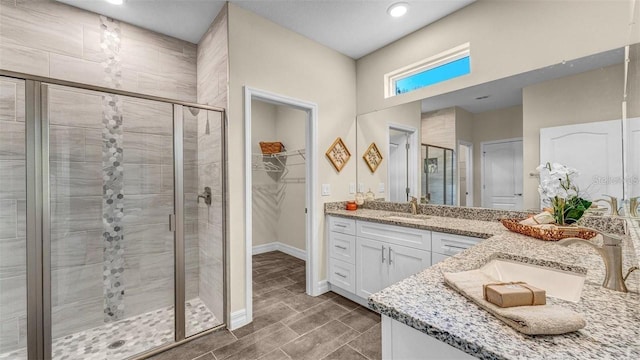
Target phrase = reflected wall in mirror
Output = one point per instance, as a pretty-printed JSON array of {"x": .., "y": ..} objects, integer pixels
[
  {"x": 499, "y": 132},
  {"x": 631, "y": 130}
]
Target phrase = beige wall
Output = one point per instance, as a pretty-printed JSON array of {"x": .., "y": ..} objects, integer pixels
[
  {"x": 374, "y": 127},
  {"x": 51, "y": 39},
  {"x": 266, "y": 56},
  {"x": 464, "y": 132},
  {"x": 492, "y": 125},
  {"x": 587, "y": 97},
  {"x": 507, "y": 38}
]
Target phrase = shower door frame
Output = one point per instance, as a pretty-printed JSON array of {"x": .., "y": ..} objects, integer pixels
[{"x": 38, "y": 213}]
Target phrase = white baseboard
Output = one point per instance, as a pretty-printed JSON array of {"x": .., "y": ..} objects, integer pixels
[
  {"x": 238, "y": 319},
  {"x": 323, "y": 287},
  {"x": 278, "y": 246}
]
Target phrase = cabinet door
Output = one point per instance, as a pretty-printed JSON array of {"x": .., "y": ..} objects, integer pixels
[
  {"x": 371, "y": 266},
  {"x": 404, "y": 262}
]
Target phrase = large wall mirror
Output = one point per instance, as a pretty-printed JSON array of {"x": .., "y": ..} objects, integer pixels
[{"x": 480, "y": 146}]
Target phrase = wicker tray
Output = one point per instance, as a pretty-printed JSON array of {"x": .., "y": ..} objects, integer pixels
[
  {"x": 559, "y": 233},
  {"x": 269, "y": 147}
]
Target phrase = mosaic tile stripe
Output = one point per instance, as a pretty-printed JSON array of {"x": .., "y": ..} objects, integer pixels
[{"x": 112, "y": 173}]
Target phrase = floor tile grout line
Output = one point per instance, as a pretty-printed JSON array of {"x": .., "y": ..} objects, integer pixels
[
  {"x": 356, "y": 350},
  {"x": 359, "y": 333}
]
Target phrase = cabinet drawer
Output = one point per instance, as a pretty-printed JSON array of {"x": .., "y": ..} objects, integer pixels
[
  {"x": 398, "y": 235},
  {"x": 341, "y": 225},
  {"x": 436, "y": 258},
  {"x": 342, "y": 275},
  {"x": 450, "y": 244},
  {"x": 342, "y": 247}
]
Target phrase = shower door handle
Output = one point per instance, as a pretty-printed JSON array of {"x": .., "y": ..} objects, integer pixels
[{"x": 206, "y": 195}]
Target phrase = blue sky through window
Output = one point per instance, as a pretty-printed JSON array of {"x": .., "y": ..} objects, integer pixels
[{"x": 434, "y": 75}]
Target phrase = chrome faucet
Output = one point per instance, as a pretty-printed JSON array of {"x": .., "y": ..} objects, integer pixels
[
  {"x": 206, "y": 195},
  {"x": 613, "y": 204},
  {"x": 633, "y": 206},
  {"x": 611, "y": 252},
  {"x": 414, "y": 205}
]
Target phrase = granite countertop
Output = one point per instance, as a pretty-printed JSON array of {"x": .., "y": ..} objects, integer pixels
[{"x": 425, "y": 303}]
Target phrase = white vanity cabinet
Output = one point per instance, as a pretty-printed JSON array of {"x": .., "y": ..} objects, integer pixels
[
  {"x": 386, "y": 254},
  {"x": 366, "y": 257},
  {"x": 445, "y": 245}
]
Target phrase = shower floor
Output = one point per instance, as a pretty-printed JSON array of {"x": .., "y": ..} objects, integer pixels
[{"x": 140, "y": 333}]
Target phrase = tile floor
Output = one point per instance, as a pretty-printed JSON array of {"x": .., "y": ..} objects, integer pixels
[
  {"x": 288, "y": 324},
  {"x": 140, "y": 333}
]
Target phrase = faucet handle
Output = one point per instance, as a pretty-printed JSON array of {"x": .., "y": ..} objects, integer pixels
[{"x": 611, "y": 240}]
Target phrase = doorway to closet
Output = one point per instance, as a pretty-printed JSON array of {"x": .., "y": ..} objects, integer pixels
[{"x": 281, "y": 231}]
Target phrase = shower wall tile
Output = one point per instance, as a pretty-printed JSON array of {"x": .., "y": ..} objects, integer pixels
[
  {"x": 49, "y": 32},
  {"x": 13, "y": 257},
  {"x": 146, "y": 117},
  {"x": 147, "y": 240},
  {"x": 76, "y": 69},
  {"x": 75, "y": 108},
  {"x": 73, "y": 249},
  {"x": 212, "y": 63},
  {"x": 12, "y": 143},
  {"x": 68, "y": 318},
  {"x": 143, "y": 179},
  {"x": 75, "y": 179},
  {"x": 9, "y": 334},
  {"x": 12, "y": 181},
  {"x": 12, "y": 296},
  {"x": 167, "y": 178},
  {"x": 7, "y": 100},
  {"x": 23, "y": 59},
  {"x": 147, "y": 149},
  {"x": 76, "y": 214},
  {"x": 147, "y": 209},
  {"x": 150, "y": 295},
  {"x": 8, "y": 221},
  {"x": 66, "y": 143},
  {"x": 48, "y": 38},
  {"x": 76, "y": 283}
]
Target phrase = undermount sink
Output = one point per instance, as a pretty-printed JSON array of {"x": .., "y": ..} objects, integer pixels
[
  {"x": 559, "y": 284},
  {"x": 407, "y": 218}
]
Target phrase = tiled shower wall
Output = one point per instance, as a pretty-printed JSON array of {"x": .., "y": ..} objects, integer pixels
[
  {"x": 47, "y": 38},
  {"x": 13, "y": 280},
  {"x": 213, "y": 77}
]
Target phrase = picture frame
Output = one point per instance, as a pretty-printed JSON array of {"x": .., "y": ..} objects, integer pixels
[
  {"x": 372, "y": 157},
  {"x": 338, "y": 154}
]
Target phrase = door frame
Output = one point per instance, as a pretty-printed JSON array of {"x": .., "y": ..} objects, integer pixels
[
  {"x": 482, "y": 161},
  {"x": 468, "y": 172},
  {"x": 312, "y": 262},
  {"x": 414, "y": 155}
]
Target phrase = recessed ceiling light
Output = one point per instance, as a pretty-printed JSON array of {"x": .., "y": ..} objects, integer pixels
[
  {"x": 398, "y": 9},
  {"x": 115, "y": 2}
]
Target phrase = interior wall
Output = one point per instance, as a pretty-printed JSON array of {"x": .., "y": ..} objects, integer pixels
[
  {"x": 464, "y": 132},
  {"x": 586, "y": 97},
  {"x": 213, "y": 62},
  {"x": 265, "y": 210},
  {"x": 51, "y": 39},
  {"x": 290, "y": 129},
  {"x": 374, "y": 127},
  {"x": 439, "y": 128},
  {"x": 267, "y": 56},
  {"x": 531, "y": 34},
  {"x": 492, "y": 125}
]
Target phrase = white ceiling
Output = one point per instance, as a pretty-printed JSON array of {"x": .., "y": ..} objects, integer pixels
[
  {"x": 352, "y": 27},
  {"x": 507, "y": 92}
]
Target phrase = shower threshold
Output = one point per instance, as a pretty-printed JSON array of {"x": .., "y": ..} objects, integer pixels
[{"x": 138, "y": 334}]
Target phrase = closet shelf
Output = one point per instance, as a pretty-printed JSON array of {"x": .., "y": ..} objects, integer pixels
[{"x": 278, "y": 162}]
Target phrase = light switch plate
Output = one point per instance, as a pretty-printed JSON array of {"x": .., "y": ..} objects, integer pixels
[
  {"x": 352, "y": 188},
  {"x": 326, "y": 189},
  {"x": 361, "y": 187},
  {"x": 381, "y": 187}
]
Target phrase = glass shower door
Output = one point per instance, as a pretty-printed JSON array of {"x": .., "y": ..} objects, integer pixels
[
  {"x": 13, "y": 244},
  {"x": 112, "y": 251},
  {"x": 203, "y": 219}
]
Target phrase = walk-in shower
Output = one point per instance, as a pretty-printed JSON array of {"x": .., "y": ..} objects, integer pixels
[{"x": 105, "y": 250}]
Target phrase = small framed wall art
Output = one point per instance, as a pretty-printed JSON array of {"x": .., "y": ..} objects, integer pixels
[
  {"x": 338, "y": 154},
  {"x": 372, "y": 157}
]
